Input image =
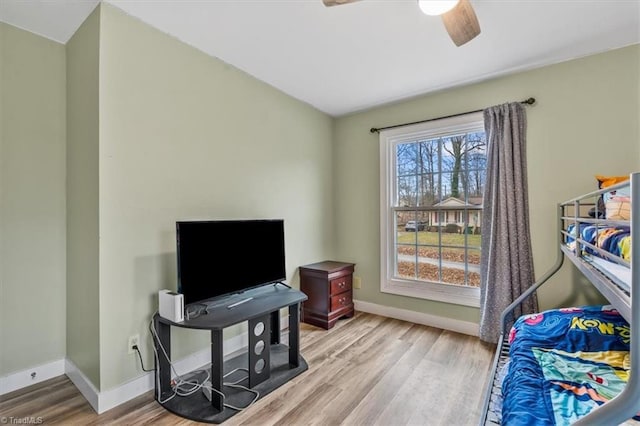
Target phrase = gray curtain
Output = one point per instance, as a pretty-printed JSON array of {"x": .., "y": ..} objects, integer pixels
[{"x": 506, "y": 269}]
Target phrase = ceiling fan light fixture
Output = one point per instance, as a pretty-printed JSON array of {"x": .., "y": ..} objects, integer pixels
[{"x": 436, "y": 7}]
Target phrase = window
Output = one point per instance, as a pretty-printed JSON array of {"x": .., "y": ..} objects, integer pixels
[{"x": 432, "y": 183}]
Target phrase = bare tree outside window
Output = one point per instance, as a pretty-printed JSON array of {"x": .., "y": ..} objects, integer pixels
[{"x": 459, "y": 147}]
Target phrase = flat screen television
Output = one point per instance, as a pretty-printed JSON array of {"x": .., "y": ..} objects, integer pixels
[{"x": 223, "y": 257}]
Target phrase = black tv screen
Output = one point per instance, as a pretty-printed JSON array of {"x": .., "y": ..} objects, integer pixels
[{"x": 216, "y": 258}]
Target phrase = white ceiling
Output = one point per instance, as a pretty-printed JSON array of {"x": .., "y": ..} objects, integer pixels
[{"x": 353, "y": 57}]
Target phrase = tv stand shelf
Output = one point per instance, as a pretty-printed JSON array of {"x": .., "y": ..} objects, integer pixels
[{"x": 281, "y": 362}]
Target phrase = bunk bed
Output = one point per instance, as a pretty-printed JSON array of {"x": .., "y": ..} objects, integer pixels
[{"x": 601, "y": 245}]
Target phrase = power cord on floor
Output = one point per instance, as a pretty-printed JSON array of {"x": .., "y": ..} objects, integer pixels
[
  {"x": 135, "y": 348},
  {"x": 178, "y": 383}
]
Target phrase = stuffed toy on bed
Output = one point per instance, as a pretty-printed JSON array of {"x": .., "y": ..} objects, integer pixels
[{"x": 614, "y": 205}]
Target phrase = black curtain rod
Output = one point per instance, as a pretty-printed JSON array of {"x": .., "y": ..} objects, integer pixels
[{"x": 529, "y": 101}]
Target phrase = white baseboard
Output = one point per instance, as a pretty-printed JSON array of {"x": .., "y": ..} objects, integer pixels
[
  {"x": 444, "y": 323},
  {"x": 84, "y": 385},
  {"x": 106, "y": 400},
  {"x": 115, "y": 396},
  {"x": 24, "y": 378},
  {"x": 102, "y": 401}
]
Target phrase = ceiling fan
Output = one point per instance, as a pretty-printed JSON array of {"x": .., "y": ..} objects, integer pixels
[{"x": 458, "y": 16}]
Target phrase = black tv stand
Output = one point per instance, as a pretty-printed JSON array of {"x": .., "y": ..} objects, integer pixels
[
  {"x": 269, "y": 367},
  {"x": 239, "y": 302},
  {"x": 281, "y": 283}
]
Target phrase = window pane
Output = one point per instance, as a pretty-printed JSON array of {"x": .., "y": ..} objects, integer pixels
[
  {"x": 427, "y": 190},
  {"x": 453, "y": 275},
  {"x": 447, "y": 184},
  {"x": 406, "y": 159},
  {"x": 428, "y": 155},
  {"x": 405, "y": 228},
  {"x": 429, "y": 256},
  {"x": 406, "y": 269},
  {"x": 423, "y": 222},
  {"x": 476, "y": 143},
  {"x": 454, "y": 270},
  {"x": 474, "y": 170},
  {"x": 406, "y": 237},
  {"x": 407, "y": 194},
  {"x": 473, "y": 260},
  {"x": 453, "y": 149},
  {"x": 474, "y": 230}
]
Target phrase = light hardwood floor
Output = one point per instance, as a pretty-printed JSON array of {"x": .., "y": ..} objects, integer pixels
[{"x": 368, "y": 370}]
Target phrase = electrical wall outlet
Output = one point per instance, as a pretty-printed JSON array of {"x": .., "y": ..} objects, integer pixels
[
  {"x": 133, "y": 341},
  {"x": 357, "y": 282}
]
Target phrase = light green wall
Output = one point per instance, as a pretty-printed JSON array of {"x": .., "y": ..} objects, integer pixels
[
  {"x": 83, "y": 304},
  {"x": 584, "y": 123},
  {"x": 186, "y": 136},
  {"x": 32, "y": 194},
  {"x": 158, "y": 131}
]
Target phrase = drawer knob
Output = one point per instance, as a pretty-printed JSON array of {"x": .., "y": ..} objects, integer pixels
[{"x": 341, "y": 284}]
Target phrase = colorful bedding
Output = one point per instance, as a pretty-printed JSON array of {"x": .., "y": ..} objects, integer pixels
[
  {"x": 615, "y": 240},
  {"x": 563, "y": 364}
]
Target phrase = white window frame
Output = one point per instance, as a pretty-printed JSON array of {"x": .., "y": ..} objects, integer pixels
[{"x": 456, "y": 294}]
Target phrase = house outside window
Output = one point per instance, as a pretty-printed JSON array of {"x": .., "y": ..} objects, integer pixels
[{"x": 432, "y": 181}]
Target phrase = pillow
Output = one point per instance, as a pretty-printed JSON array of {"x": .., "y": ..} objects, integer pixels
[
  {"x": 607, "y": 181},
  {"x": 616, "y": 202},
  {"x": 618, "y": 208}
]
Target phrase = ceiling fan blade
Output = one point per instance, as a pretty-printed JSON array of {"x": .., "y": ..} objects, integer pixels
[
  {"x": 336, "y": 2},
  {"x": 461, "y": 23}
]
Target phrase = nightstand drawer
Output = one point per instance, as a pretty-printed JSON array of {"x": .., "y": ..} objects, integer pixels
[
  {"x": 340, "y": 285},
  {"x": 340, "y": 301}
]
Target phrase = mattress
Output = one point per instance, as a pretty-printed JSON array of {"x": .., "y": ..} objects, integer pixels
[
  {"x": 620, "y": 275},
  {"x": 563, "y": 364}
]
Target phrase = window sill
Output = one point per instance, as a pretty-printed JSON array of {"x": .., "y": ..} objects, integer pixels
[{"x": 458, "y": 295}]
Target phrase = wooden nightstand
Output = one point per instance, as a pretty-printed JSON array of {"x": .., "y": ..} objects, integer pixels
[{"x": 328, "y": 287}]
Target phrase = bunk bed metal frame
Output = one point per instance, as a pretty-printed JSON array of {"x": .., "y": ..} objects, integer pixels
[{"x": 627, "y": 404}]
